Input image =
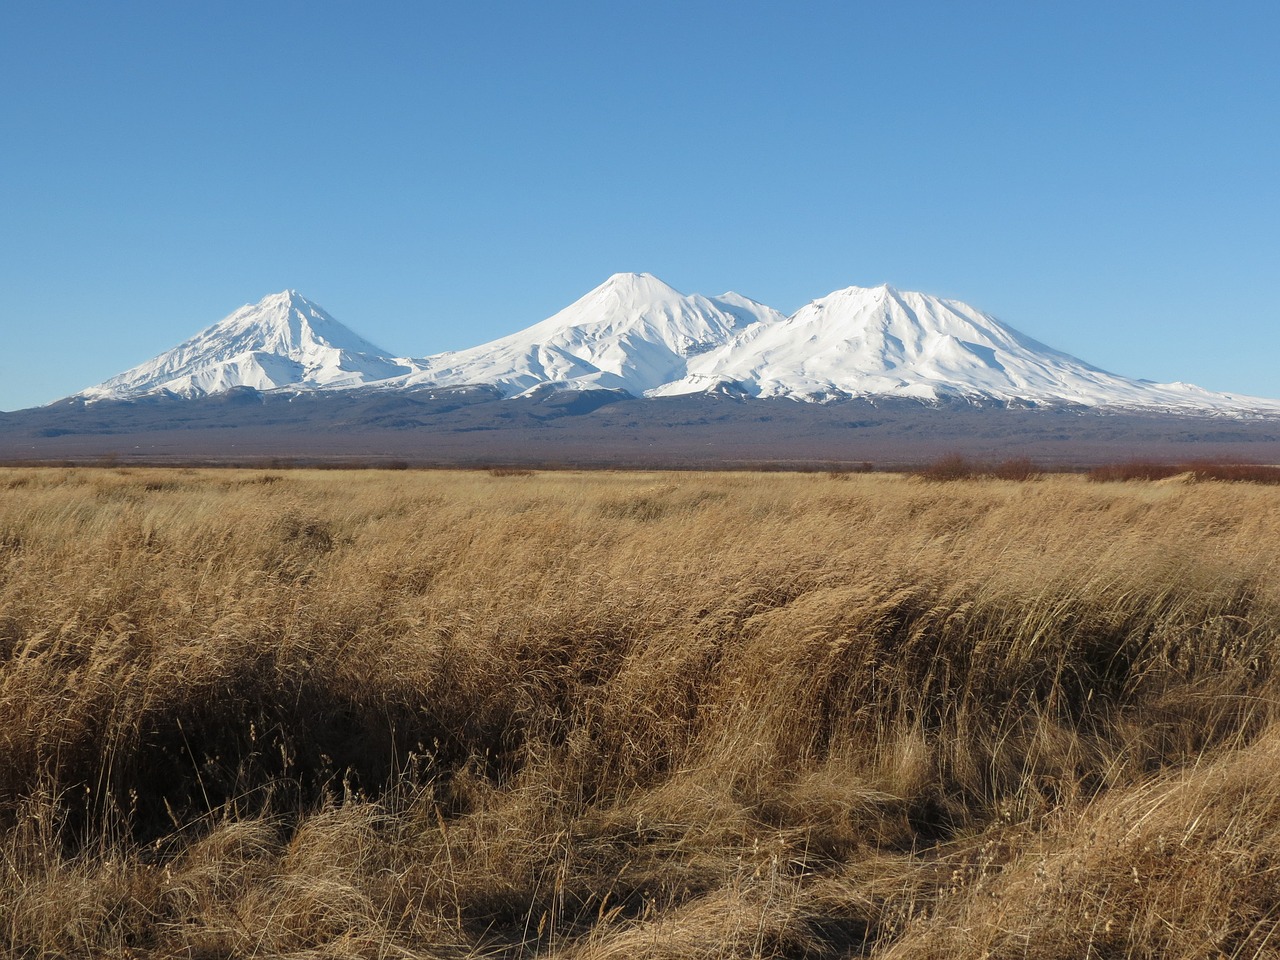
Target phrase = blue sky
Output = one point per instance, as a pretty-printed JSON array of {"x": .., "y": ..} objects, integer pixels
[{"x": 1101, "y": 176}]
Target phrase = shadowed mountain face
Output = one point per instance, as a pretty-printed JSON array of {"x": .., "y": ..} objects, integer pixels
[{"x": 471, "y": 426}]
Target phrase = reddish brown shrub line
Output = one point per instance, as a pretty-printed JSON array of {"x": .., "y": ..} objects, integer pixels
[
  {"x": 1199, "y": 470},
  {"x": 955, "y": 466}
]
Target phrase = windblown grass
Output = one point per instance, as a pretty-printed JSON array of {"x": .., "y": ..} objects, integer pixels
[{"x": 436, "y": 715}]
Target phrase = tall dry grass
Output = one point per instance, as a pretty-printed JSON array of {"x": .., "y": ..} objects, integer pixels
[{"x": 618, "y": 715}]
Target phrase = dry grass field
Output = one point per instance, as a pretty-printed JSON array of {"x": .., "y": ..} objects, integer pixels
[{"x": 609, "y": 715}]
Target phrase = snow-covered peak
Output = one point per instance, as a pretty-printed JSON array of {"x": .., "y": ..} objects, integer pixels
[
  {"x": 284, "y": 322},
  {"x": 749, "y": 311},
  {"x": 738, "y": 300},
  {"x": 906, "y": 326},
  {"x": 633, "y": 332},
  {"x": 625, "y": 299},
  {"x": 282, "y": 340},
  {"x": 644, "y": 286},
  {"x": 866, "y": 341}
]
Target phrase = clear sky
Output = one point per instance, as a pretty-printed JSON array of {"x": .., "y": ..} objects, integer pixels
[{"x": 1101, "y": 176}]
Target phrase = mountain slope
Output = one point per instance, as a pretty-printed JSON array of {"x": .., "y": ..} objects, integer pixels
[
  {"x": 632, "y": 333},
  {"x": 867, "y": 341},
  {"x": 282, "y": 340}
]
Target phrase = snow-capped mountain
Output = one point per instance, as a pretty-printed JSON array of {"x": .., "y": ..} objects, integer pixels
[
  {"x": 283, "y": 340},
  {"x": 872, "y": 341},
  {"x": 632, "y": 333},
  {"x": 636, "y": 334}
]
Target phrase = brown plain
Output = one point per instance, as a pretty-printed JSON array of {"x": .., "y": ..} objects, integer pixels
[{"x": 589, "y": 715}]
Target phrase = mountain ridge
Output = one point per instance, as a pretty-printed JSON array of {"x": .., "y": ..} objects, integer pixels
[{"x": 637, "y": 335}]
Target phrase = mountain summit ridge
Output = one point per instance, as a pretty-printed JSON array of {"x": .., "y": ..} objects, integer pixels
[{"x": 636, "y": 334}]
